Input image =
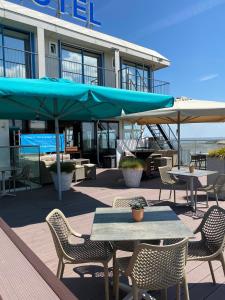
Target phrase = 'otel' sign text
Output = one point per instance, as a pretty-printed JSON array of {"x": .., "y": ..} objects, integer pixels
[{"x": 83, "y": 10}]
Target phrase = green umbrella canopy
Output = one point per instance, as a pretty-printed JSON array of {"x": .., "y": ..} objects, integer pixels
[{"x": 47, "y": 98}]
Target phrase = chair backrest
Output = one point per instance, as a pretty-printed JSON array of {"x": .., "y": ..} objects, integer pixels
[
  {"x": 26, "y": 171},
  {"x": 165, "y": 177},
  {"x": 60, "y": 230},
  {"x": 219, "y": 184},
  {"x": 158, "y": 267},
  {"x": 212, "y": 228},
  {"x": 127, "y": 201}
]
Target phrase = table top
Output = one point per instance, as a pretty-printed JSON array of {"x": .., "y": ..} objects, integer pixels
[
  {"x": 25, "y": 272},
  {"x": 196, "y": 173},
  {"x": 5, "y": 169},
  {"x": 116, "y": 224}
]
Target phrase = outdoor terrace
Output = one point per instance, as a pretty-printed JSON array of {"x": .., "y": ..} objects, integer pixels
[{"x": 26, "y": 214}]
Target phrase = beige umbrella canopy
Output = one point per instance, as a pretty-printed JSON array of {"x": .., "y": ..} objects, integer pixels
[{"x": 184, "y": 111}]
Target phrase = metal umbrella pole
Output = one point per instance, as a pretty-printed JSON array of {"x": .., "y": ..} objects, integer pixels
[
  {"x": 178, "y": 140},
  {"x": 58, "y": 151}
]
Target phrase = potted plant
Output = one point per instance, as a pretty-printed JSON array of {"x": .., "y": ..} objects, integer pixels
[
  {"x": 137, "y": 211},
  {"x": 67, "y": 171},
  {"x": 132, "y": 169},
  {"x": 216, "y": 162}
]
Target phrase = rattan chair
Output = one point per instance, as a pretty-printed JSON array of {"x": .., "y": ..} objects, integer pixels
[
  {"x": 70, "y": 253},
  {"x": 171, "y": 181},
  {"x": 211, "y": 245},
  {"x": 216, "y": 188},
  {"x": 154, "y": 267},
  {"x": 23, "y": 176}
]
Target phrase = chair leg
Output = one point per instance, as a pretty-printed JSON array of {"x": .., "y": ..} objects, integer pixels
[
  {"x": 160, "y": 191},
  {"x": 207, "y": 200},
  {"x": 60, "y": 269},
  {"x": 116, "y": 281},
  {"x": 217, "y": 202},
  {"x": 222, "y": 262},
  {"x": 106, "y": 274},
  {"x": 178, "y": 292},
  {"x": 170, "y": 194},
  {"x": 187, "y": 195},
  {"x": 212, "y": 272},
  {"x": 174, "y": 194},
  {"x": 186, "y": 290},
  {"x": 114, "y": 272},
  {"x": 135, "y": 292}
]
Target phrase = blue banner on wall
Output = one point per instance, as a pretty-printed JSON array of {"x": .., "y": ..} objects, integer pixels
[{"x": 45, "y": 142}]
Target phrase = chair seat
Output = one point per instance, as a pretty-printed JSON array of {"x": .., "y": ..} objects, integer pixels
[
  {"x": 197, "y": 250},
  {"x": 88, "y": 251},
  {"x": 130, "y": 245},
  {"x": 207, "y": 188}
]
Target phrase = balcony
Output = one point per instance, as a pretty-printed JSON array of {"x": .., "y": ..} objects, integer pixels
[
  {"x": 18, "y": 63},
  {"x": 21, "y": 63}
]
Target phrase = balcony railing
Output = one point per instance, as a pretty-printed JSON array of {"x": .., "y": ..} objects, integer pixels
[
  {"x": 80, "y": 73},
  {"x": 17, "y": 63},
  {"x": 137, "y": 82}
]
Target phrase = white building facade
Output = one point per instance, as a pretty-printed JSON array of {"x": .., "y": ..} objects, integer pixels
[{"x": 35, "y": 45}]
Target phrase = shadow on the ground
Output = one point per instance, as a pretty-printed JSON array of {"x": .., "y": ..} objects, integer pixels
[{"x": 31, "y": 207}]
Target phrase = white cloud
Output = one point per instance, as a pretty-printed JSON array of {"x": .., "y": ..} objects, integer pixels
[
  {"x": 182, "y": 16},
  {"x": 208, "y": 77}
]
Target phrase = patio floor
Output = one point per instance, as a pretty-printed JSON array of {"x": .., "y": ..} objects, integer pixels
[{"x": 26, "y": 213}]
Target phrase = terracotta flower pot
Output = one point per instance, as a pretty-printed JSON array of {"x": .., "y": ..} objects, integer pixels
[
  {"x": 138, "y": 214},
  {"x": 191, "y": 169}
]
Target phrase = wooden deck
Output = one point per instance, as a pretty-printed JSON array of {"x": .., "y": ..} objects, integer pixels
[{"x": 26, "y": 214}]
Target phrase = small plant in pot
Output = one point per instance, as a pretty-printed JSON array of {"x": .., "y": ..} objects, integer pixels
[
  {"x": 67, "y": 172},
  {"x": 137, "y": 211},
  {"x": 132, "y": 169}
]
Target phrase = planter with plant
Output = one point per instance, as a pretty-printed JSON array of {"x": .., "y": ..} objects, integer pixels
[
  {"x": 216, "y": 162},
  {"x": 137, "y": 211},
  {"x": 132, "y": 169},
  {"x": 67, "y": 172}
]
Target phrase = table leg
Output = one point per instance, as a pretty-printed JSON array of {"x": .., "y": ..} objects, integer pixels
[{"x": 192, "y": 192}]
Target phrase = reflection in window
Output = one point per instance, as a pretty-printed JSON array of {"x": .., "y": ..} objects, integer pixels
[
  {"x": 108, "y": 133},
  {"x": 135, "y": 77},
  {"x": 88, "y": 133},
  {"x": 80, "y": 66},
  {"x": 15, "y": 56}
]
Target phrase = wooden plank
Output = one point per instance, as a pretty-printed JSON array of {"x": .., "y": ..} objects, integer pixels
[{"x": 56, "y": 285}]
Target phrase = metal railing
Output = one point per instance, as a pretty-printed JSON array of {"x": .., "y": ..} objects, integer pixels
[
  {"x": 18, "y": 63},
  {"x": 138, "y": 82},
  {"x": 80, "y": 73}
]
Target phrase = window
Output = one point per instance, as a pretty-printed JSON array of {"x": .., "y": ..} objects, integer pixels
[
  {"x": 135, "y": 77},
  {"x": 108, "y": 133},
  {"x": 81, "y": 66},
  {"x": 15, "y": 55}
]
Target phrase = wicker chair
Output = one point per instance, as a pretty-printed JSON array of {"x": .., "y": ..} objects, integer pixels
[
  {"x": 211, "y": 245},
  {"x": 154, "y": 267},
  {"x": 69, "y": 253},
  {"x": 24, "y": 176},
  {"x": 216, "y": 188},
  {"x": 170, "y": 181}
]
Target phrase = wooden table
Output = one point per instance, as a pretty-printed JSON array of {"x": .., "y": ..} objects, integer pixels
[
  {"x": 23, "y": 276},
  {"x": 196, "y": 174},
  {"x": 159, "y": 223},
  {"x": 116, "y": 224}
]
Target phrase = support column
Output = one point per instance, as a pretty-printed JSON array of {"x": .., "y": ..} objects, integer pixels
[
  {"x": 41, "y": 52},
  {"x": 117, "y": 67}
]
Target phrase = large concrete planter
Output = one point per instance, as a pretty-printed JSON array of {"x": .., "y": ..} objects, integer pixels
[
  {"x": 66, "y": 180},
  {"x": 132, "y": 177},
  {"x": 216, "y": 164}
]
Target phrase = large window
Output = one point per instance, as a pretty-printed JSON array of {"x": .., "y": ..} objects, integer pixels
[
  {"x": 135, "y": 77},
  {"x": 15, "y": 55},
  {"x": 108, "y": 133},
  {"x": 81, "y": 66}
]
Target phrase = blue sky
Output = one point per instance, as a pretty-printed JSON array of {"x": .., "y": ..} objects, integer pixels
[{"x": 190, "y": 33}]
